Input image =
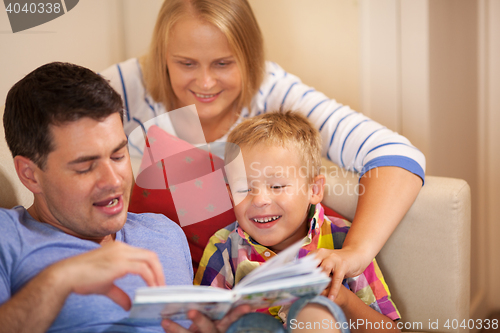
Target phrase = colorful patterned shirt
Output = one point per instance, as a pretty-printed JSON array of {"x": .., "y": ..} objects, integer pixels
[{"x": 231, "y": 254}]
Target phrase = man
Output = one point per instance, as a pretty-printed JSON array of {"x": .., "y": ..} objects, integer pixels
[{"x": 77, "y": 243}]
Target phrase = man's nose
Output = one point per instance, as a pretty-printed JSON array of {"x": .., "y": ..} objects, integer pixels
[{"x": 109, "y": 178}]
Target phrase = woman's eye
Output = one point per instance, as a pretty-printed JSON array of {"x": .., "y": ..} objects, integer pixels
[
  {"x": 277, "y": 186},
  {"x": 243, "y": 191},
  {"x": 223, "y": 63}
]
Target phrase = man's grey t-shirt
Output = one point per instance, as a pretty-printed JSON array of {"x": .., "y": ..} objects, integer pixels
[{"x": 28, "y": 246}]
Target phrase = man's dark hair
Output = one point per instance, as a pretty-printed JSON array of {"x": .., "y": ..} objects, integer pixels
[{"x": 54, "y": 94}]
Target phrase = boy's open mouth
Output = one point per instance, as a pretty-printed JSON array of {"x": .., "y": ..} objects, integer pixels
[{"x": 266, "y": 219}]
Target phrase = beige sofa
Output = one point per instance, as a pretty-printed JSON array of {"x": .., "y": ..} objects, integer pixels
[{"x": 426, "y": 262}]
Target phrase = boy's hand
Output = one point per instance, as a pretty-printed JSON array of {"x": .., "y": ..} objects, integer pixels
[{"x": 338, "y": 263}]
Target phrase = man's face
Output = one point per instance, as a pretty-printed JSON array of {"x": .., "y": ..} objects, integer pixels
[{"x": 85, "y": 185}]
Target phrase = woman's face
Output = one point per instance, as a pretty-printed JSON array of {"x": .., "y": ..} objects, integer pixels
[{"x": 202, "y": 68}]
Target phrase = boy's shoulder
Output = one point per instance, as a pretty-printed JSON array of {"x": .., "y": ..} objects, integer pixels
[
  {"x": 333, "y": 232},
  {"x": 338, "y": 223},
  {"x": 232, "y": 231}
]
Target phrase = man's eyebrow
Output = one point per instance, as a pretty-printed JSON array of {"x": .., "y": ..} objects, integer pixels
[
  {"x": 83, "y": 159},
  {"x": 120, "y": 146}
]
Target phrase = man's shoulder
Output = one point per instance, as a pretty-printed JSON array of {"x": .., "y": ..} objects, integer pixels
[
  {"x": 150, "y": 224},
  {"x": 152, "y": 221},
  {"x": 9, "y": 218},
  {"x": 12, "y": 237}
]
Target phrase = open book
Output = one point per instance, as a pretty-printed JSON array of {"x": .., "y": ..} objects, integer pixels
[{"x": 278, "y": 281}]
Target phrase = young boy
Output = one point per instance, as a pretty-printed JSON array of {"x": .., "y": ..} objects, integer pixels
[{"x": 278, "y": 204}]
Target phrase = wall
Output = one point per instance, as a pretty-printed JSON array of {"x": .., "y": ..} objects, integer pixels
[
  {"x": 88, "y": 35},
  {"x": 431, "y": 70},
  {"x": 311, "y": 38},
  {"x": 428, "y": 69},
  {"x": 489, "y": 141}
]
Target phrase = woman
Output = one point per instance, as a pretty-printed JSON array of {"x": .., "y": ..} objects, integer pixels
[{"x": 210, "y": 53}]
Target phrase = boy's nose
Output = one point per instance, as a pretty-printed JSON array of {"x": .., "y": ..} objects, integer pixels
[{"x": 261, "y": 197}]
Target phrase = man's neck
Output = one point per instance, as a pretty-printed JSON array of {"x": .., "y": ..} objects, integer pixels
[{"x": 38, "y": 216}]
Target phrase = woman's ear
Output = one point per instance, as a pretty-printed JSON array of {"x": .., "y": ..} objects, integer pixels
[
  {"x": 26, "y": 171},
  {"x": 317, "y": 187}
]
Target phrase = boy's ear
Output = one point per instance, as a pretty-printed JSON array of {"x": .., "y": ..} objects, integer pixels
[
  {"x": 27, "y": 172},
  {"x": 317, "y": 189}
]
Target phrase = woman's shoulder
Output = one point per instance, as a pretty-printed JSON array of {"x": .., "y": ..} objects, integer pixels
[
  {"x": 275, "y": 74},
  {"x": 129, "y": 67},
  {"x": 277, "y": 87}
]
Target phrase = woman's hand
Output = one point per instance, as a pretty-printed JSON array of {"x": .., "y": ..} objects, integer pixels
[
  {"x": 339, "y": 264},
  {"x": 203, "y": 324},
  {"x": 387, "y": 194}
]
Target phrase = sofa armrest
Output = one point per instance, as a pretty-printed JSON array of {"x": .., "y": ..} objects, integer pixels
[{"x": 426, "y": 261}]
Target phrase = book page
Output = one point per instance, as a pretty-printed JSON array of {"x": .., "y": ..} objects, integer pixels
[
  {"x": 173, "y": 302},
  {"x": 283, "y": 264},
  {"x": 177, "y": 310},
  {"x": 283, "y": 291}
]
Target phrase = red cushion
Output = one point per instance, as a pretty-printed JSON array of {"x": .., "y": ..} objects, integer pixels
[
  {"x": 160, "y": 201},
  {"x": 175, "y": 173},
  {"x": 185, "y": 165}
]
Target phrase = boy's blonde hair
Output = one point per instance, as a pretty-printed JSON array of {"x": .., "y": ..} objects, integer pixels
[
  {"x": 289, "y": 130},
  {"x": 236, "y": 21}
]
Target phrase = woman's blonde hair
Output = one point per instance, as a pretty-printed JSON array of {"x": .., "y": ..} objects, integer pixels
[
  {"x": 289, "y": 130},
  {"x": 236, "y": 21}
]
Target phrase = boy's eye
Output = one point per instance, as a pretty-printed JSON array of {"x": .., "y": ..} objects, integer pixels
[{"x": 118, "y": 158}]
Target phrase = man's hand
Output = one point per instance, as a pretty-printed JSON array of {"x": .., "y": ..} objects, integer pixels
[
  {"x": 339, "y": 263},
  {"x": 203, "y": 324},
  {"x": 37, "y": 304},
  {"x": 94, "y": 272}
]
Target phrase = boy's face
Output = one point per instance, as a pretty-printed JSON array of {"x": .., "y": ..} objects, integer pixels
[{"x": 272, "y": 203}]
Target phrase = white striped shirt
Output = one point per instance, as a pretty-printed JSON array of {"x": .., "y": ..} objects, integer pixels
[{"x": 350, "y": 139}]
